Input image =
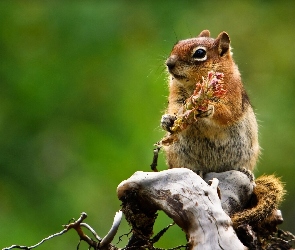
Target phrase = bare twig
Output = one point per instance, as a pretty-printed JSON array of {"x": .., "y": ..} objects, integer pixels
[
  {"x": 155, "y": 158},
  {"x": 38, "y": 244},
  {"x": 111, "y": 234},
  {"x": 91, "y": 230},
  {"x": 121, "y": 236},
  {"x": 157, "y": 237},
  {"x": 75, "y": 225}
]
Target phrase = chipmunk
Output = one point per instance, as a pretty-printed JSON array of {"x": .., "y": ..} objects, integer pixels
[{"x": 225, "y": 137}]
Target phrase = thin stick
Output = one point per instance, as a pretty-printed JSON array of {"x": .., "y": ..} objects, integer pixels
[
  {"x": 111, "y": 234},
  {"x": 155, "y": 158},
  {"x": 76, "y": 225}
]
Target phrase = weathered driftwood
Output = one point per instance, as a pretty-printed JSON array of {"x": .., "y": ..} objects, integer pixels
[
  {"x": 200, "y": 207},
  {"x": 192, "y": 203},
  {"x": 235, "y": 187}
]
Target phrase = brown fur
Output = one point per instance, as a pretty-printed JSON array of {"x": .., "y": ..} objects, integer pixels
[
  {"x": 226, "y": 138},
  {"x": 268, "y": 194}
]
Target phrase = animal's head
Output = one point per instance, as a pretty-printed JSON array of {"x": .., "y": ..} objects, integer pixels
[{"x": 191, "y": 59}]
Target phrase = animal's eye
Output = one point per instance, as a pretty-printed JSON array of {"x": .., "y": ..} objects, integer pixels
[{"x": 200, "y": 54}]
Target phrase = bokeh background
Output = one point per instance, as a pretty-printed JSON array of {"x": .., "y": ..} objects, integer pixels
[{"x": 82, "y": 90}]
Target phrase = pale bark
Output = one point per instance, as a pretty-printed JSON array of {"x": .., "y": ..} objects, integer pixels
[{"x": 194, "y": 205}]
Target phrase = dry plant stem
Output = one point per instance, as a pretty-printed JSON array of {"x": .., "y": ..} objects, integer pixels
[
  {"x": 189, "y": 201},
  {"x": 207, "y": 92}
]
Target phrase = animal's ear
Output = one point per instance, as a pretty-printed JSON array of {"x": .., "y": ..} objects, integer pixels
[
  {"x": 223, "y": 42},
  {"x": 204, "y": 33}
]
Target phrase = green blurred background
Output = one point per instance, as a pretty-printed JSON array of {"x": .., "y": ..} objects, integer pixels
[{"x": 82, "y": 90}]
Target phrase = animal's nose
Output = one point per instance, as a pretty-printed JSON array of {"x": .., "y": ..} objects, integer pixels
[{"x": 171, "y": 61}]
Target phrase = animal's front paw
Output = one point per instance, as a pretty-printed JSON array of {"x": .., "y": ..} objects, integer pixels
[
  {"x": 207, "y": 113},
  {"x": 167, "y": 122}
]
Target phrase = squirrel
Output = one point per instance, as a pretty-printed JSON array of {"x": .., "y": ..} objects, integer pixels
[{"x": 225, "y": 136}]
